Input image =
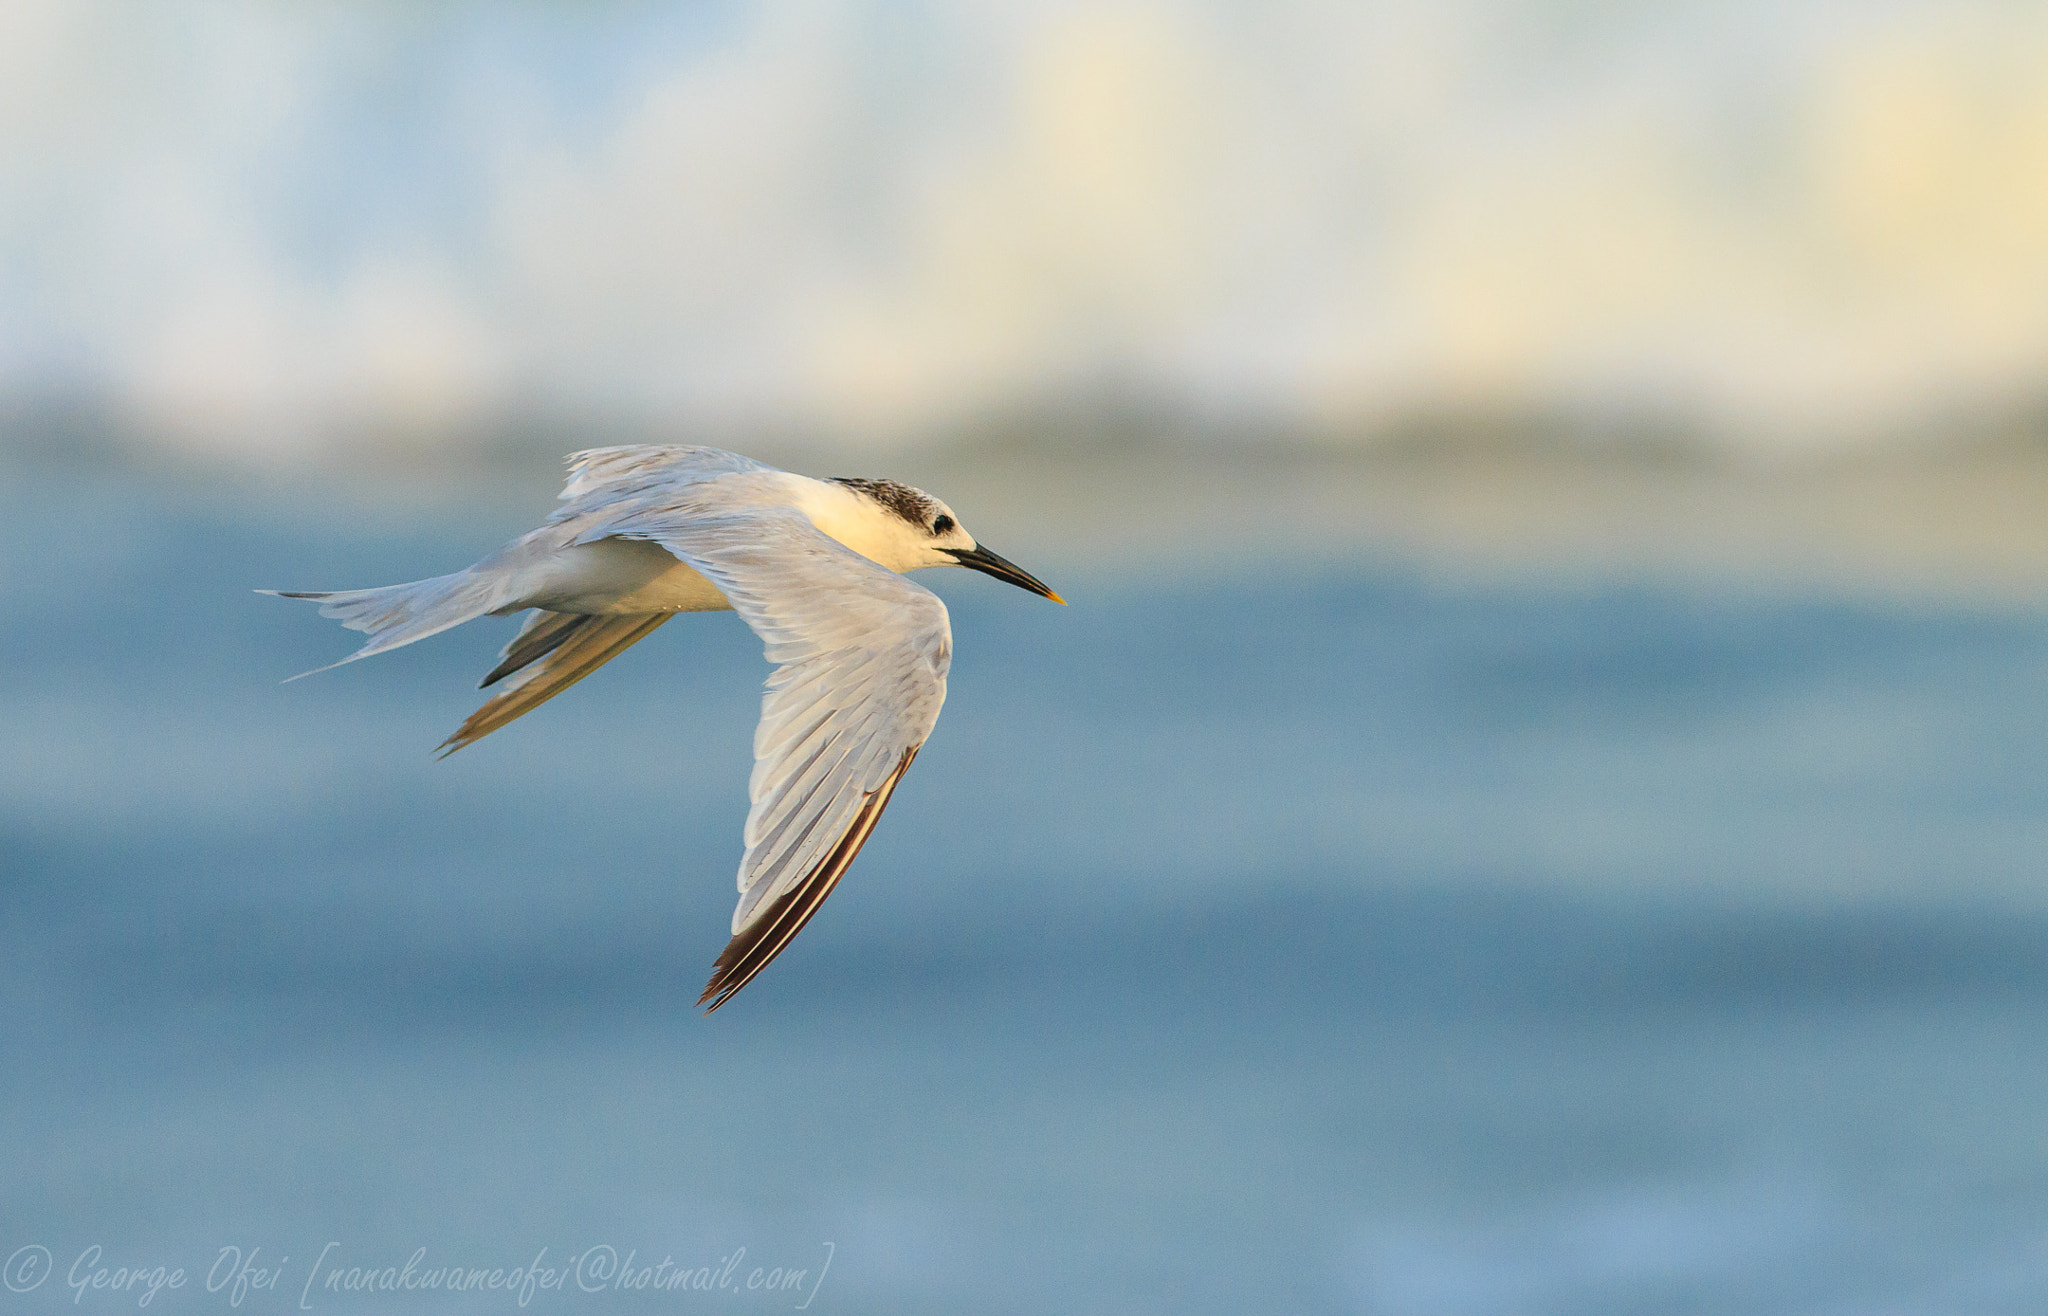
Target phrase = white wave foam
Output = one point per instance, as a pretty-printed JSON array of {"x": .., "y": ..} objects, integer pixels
[{"x": 254, "y": 224}]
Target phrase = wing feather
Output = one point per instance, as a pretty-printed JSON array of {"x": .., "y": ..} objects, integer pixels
[
  {"x": 639, "y": 464},
  {"x": 861, "y": 655},
  {"x": 574, "y": 650},
  {"x": 763, "y": 939},
  {"x": 543, "y": 633}
]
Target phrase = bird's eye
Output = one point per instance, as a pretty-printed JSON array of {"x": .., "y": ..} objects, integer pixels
[{"x": 942, "y": 525}]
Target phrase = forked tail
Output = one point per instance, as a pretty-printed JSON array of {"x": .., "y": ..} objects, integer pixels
[{"x": 395, "y": 615}]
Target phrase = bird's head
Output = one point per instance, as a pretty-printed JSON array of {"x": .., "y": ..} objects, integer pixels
[{"x": 907, "y": 529}]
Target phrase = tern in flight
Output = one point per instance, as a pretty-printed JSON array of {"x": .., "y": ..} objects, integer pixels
[{"x": 812, "y": 566}]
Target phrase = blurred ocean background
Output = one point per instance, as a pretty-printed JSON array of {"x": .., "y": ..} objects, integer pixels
[{"x": 1538, "y": 805}]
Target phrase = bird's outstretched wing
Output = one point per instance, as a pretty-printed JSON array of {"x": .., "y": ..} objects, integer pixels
[
  {"x": 861, "y": 657},
  {"x": 599, "y": 475}
]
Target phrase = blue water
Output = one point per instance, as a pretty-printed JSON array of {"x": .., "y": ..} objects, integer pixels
[{"x": 1330, "y": 941}]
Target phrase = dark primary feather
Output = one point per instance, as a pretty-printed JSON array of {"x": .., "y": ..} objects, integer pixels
[
  {"x": 572, "y": 649},
  {"x": 543, "y": 633},
  {"x": 762, "y": 940}
]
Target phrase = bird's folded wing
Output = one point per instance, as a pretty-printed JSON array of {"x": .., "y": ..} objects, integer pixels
[{"x": 861, "y": 658}]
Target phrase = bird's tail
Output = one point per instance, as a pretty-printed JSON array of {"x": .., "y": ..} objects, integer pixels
[{"x": 395, "y": 615}]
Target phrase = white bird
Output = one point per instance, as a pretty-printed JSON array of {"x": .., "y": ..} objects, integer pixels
[{"x": 811, "y": 565}]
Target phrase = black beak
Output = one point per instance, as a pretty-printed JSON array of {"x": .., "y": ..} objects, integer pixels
[{"x": 1002, "y": 569}]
